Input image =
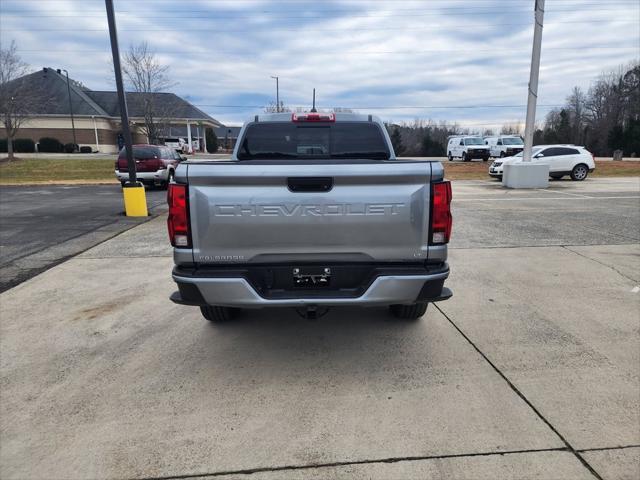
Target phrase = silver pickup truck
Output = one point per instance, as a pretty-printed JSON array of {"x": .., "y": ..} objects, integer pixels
[{"x": 312, "y": 210}]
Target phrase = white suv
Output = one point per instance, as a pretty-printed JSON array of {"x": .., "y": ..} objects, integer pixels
[{"x": 562, "y": 159}]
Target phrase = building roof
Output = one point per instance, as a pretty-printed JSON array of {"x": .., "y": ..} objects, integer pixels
[
  {"x": 175, "y": 106},
  {"x": 229, "y": 132},
  {"x": 51, "y": 86}
]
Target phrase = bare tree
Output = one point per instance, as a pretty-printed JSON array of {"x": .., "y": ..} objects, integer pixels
[
  {"x": 273, "y": 107},
  {"x": 511, "y": 129},
  {"x": 146, "y": 76},
  {"x": 16, "y": 103}
]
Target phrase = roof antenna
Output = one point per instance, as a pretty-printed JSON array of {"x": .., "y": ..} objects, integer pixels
[{"x": 313, "y": 109}]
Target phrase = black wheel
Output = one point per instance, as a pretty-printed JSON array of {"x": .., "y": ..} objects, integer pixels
[
  {"x": 410, "y": 312},
  {"x": 450, "y": 157},
  {"x": 579, "y": 172},
  {"x": 215, "y": 313},
  {"x": 123, "y": 183},
  {"x": 464, "y": 157},
  {"x": 501, "y": 154},
  {"x": 556, "y": 177},
  {"x": 485, "y": 159}
]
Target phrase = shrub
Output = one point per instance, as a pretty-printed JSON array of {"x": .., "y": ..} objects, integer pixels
[
  {"x": 86, "y": 149},
  {"x": 20, "y": 145},
  {"x": 212, "y": 140},
  {"x": 49, "y": 145},
  {"x": 70, "y": 147},
  {"x": 24, "y": 145}
]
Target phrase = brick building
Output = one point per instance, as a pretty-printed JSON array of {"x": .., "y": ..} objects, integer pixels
[{"x": 97, "y": 115}]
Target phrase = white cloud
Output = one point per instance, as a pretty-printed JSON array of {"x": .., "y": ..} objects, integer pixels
[{"x": 447, "y": 52}]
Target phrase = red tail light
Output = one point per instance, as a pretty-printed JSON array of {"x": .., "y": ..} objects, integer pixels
[
  {"x": 178, "y": 221},
  {"x": 313, "y": 117},
  {"x": 441, "y": 219}
]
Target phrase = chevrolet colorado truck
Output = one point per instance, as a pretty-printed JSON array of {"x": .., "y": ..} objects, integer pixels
[{"x": 313, "y": 210}]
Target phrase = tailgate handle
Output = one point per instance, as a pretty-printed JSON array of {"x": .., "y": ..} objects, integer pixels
[{"x": 310, "y": 184}]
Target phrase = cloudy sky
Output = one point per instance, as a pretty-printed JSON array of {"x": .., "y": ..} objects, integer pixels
[{"x": 455, "y": 60}]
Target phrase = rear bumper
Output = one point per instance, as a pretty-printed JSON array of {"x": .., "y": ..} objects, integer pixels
[
  {"x": 239, "y": 292},
  {"x": 147, "y": 177}
]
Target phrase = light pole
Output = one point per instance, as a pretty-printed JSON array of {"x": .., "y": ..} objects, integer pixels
[
  {"x": 73, "y": 125},
  {"x": 277, "y": 94},
  {"x": 528, "y": 174},
  {"x": 533, "y": 81},
  {"x": 135, "y": 202}
]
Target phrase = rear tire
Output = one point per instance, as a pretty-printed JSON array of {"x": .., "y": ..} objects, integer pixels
[
  {"x": 485, "y": 159},
  {"x": 557, "y": 177},
  {"x": 579, "y": 172},
  {"x": 218, "y": 314},
  {"x": 501, "y": 154},
  {"x": 450, "y": 157},
  {"x": 464, "y": 157},
  {"x": 408, "y": 312}
]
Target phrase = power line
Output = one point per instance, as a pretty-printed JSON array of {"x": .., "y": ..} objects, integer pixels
[
  {"x": 350, "y": 52},
  {"x": 213, "y": 16},
  {"x": 351, "y": 14},
  {"x": 386, "y": 107}
]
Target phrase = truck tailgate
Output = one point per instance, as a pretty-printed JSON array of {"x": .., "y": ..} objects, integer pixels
[{"x": 267, "y": 213}]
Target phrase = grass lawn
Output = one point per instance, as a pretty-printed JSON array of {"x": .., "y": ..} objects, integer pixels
[
  {"x": 480, "y": 170},
  {"x": 71, "y": 170},
  {"x": 59, "y": 170}
]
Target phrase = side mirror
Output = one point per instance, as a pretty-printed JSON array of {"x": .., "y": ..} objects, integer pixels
[{"x": 538, "y": 155}]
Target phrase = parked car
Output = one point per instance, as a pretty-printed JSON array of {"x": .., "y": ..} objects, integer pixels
[
  {"x": 178, "y": 144},
  {"x": 155, "y": 164},
  {"x": 313, "y": 210},
  {"x": 563, "y": 160},
  {"x": 504, "y": 145},
  {"x": 467, "y": 148}
]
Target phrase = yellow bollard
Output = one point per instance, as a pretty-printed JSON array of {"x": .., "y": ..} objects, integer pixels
[{"x": 135, "y": 201}]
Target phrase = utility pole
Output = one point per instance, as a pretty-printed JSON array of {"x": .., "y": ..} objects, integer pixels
[
  {"x": 277, "y": 94},
  {"x": 135, "y": 200},
  {"x": 528, "y": 174},
  {"x": 533, "y": 81},
  {"x": 73, "y": 124},
  {"x": 122, "y": 101}
]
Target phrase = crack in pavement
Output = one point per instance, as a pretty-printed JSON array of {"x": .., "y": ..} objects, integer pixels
[
  {"x": 600, "y": 263},
  {"x": 603, "y": 449},
  {"x": 348, "y": 463},
  {"x": 517, "y": 391}
]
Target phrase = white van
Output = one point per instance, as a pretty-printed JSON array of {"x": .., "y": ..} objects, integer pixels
[
  {"x": 467, "y": 147},
  {"x": 504, "y": 145}
]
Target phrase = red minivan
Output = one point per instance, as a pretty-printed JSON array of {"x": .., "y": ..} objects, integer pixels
[{"x": 155, "y": 164}]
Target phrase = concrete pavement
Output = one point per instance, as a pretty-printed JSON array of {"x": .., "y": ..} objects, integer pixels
[
  {"x": 44, "y": 225},
  {"x": 529, "y": 371}
]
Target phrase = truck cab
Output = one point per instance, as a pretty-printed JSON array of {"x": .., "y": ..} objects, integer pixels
[{"x": 313, "y": 210}]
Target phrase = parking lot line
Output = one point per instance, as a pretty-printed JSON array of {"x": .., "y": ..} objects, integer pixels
[
  {"x": 518, "y": 199},
  {"x": 564, "y": 193}
]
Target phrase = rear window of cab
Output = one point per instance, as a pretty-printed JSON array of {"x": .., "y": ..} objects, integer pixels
[{"x": 288, "y": 140}]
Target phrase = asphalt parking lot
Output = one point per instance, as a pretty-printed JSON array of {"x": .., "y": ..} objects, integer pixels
[
  {"x": 44, "y": 225},
  {"x": 531, "y": 370}
]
